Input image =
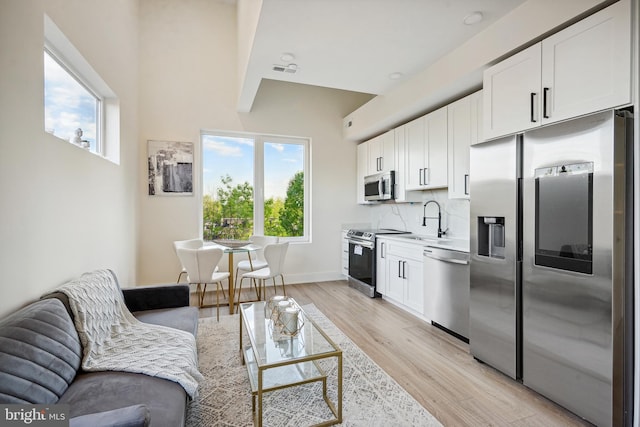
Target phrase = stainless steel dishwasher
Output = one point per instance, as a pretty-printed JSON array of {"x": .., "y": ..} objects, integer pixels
[{"x": 446, "y": 290}]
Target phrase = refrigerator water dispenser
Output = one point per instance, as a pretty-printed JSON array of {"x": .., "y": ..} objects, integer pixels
[{"x": 491, "y": 239}]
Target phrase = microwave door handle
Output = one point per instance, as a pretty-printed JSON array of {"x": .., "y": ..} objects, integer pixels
[{"x": 380, "y": 187}]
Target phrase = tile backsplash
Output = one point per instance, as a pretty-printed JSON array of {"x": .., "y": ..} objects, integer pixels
[{"x": 408, "y": 216}]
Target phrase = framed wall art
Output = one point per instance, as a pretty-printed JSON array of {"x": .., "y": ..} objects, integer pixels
[{"x": 170, "y": 168}]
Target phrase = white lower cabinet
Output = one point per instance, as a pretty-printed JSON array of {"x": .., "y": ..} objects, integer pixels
[
  {"x": 345, "y": 254},
  {"x": 381, "y": 267},
  {"x": 402, "y": 265}
]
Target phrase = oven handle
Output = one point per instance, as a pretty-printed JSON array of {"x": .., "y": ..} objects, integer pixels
[{"x": 364, "y": 244}]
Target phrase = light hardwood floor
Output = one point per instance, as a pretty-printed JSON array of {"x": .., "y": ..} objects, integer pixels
[{"x": 434, "y": 367}]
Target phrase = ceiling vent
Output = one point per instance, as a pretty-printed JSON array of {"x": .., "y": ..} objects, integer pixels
[{"x": 291, "y": 68}]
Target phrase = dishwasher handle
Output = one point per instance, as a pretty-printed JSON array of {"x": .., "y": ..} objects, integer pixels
[{"x": 431, "y": 254}]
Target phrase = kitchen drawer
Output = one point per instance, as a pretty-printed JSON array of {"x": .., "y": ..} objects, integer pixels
[{"x": 405, "y": 250}]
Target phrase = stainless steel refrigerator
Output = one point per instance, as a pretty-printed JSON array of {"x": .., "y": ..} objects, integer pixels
[{"x": 550, "y": 253}]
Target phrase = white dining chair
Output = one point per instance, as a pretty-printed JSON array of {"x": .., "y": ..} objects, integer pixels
[
  {"x": 190, "y": 244},
  {"x": 256, "y": 262},
  {"x": 274, "y": 255},
  {"x": 201, "y": 266}
]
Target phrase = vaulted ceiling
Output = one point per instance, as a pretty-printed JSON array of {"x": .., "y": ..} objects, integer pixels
[{"x": 367, "y": 46}]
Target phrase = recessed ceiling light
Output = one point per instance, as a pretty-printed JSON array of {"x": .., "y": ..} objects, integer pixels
[
  {"x": 472, "y": 18},
  {"x": 395, "y": 76},
  {"x": 287, "y": 57}
]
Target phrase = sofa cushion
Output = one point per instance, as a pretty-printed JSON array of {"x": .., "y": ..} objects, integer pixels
[
  {"x": 40, "y": 353},
  {"x": 183, "y": 318},
  {"x": 93, "y": 392}
]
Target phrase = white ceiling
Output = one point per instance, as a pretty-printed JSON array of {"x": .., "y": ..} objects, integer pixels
[{"x": 356, "y": 44}]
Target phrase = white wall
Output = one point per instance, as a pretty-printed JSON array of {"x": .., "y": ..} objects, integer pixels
[
  {"x": 64, "y": 210},
  {"x": 408, "y": 216},
  {"x": 188, "y": 82}
]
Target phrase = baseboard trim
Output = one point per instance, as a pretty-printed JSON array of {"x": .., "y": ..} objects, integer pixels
[{"x": 313, "y": 277}]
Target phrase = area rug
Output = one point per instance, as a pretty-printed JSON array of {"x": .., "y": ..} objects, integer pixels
[{"x": 370, "y": 396}]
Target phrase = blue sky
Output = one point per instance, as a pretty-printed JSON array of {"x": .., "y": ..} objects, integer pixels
[
  {"x": 234, "y": 156},
  {"x": 68, "y": 105}
]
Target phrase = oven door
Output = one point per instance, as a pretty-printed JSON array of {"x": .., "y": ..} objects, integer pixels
[{"x": 362, "y": 261}]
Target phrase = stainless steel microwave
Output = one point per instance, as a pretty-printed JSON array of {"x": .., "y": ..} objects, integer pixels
[{"x": 379, "y": 186}]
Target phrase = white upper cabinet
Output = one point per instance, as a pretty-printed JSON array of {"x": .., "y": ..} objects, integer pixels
[
  {"x": 426, "y": 157},
  {"x": 463, "y": 131},
  {"x": 381, "y": 153},
  {"x": 511, "y": 94},
  {"x": 376, "y": 155},
  {"x": 400, "y": 191},
  {"x": 582, "y": 69},
  {"x": 587, "y": 67},
  {"x": 362, "y": 170}
]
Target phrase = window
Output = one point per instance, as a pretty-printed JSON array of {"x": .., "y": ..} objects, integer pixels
[
  {"x": 255, "y": 184},
  {"x": 72, "y": 111},
  {"x": 79, "y": 106}
]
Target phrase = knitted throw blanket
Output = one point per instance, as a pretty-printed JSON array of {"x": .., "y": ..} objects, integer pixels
[{"x": 114, "y": 340}]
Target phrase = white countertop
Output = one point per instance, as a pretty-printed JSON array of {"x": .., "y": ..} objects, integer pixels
[{"x": 453, "y": 244}]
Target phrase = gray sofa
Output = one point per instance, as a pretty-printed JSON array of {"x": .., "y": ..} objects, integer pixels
[{"x": 40, "y": 357}]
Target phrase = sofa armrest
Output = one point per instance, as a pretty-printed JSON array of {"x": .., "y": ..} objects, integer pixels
[
  {"x": 131, "y": 416},
  {"x": 156, "y": 297}
]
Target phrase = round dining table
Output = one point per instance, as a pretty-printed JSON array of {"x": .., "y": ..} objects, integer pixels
[{"x": 230, "y": 251}]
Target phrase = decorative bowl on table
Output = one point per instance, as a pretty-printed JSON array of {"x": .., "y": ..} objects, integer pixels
[{"x": 232, "y": 243}]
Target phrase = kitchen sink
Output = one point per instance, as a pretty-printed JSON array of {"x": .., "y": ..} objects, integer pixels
[{"x": 427, "y": 239}]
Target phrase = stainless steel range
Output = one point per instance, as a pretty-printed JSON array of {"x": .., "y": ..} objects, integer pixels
[{"x": 362, "y": 259}]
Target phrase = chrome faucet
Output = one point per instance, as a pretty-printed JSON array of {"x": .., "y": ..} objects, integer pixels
[{"x": 439, "y": 217}]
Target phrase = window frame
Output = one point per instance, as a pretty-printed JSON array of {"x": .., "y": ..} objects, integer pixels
[{"x": 259, "y": 140}]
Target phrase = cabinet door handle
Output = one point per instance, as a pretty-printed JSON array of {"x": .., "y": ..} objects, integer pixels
[
  {"x": 419, "y": 176},
  {"x": 382, "y": 250},
  {"x": 381, "y": 163},
  {"x": 424, "y": 173},
  {"x": 399, "y": 263},
  {"x": 404, "y": 269},
  {"x": 466, "y": 184},
  {"x": 545, "y": 91},
  {"x": 532, "y": 102}
]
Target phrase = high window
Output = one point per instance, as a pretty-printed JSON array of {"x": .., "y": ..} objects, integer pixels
[
  {"x": 72, "y": 111},
  {"x": 79, "y": 106},
  {"x": 255, "y": 184}
]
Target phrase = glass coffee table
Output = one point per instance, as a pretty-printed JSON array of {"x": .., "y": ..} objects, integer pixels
[{"x": 275, "y": 360}]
